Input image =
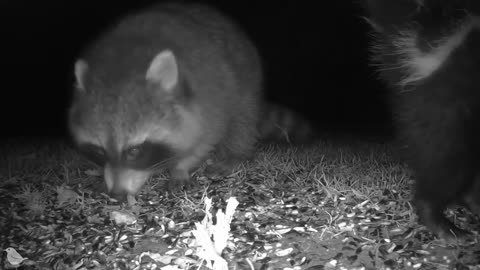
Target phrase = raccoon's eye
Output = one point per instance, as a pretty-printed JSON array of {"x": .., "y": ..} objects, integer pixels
[{"x": 133, "y": 153}]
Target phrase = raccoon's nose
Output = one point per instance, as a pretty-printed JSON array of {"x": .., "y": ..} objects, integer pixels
[{"x": 115, "y": 190}]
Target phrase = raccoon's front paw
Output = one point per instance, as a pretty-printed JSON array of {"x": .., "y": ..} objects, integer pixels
[
  {"x": 447, "y": 231},
  {"x": 472, "y": 199},
  {"x": 180, "y": 180},
  {"x": 437, "y": 223},
  {"x": 220, "y": 169}
]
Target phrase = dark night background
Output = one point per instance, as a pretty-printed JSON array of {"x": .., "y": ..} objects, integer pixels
[{"x": 315, "y": 56}]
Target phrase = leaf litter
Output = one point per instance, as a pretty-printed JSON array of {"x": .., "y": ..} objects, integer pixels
[{"x": 314, "y": 214}]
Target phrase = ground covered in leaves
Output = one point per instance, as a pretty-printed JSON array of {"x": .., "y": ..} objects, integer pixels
[{"x": 334, "y": 205}]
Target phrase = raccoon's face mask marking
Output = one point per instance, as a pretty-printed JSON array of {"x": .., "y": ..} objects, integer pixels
[
  {"x": 125, "y": 172},
  {"x": 94, "y": 153},
  {"x": 145, "y": 156},
  {"x": 132, "y": 125}
]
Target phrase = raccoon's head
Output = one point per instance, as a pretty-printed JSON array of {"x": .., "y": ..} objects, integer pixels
[{"x": 130, "y": 125}]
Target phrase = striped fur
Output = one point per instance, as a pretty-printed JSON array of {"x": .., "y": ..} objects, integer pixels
[{"x": 429, "y": 53}]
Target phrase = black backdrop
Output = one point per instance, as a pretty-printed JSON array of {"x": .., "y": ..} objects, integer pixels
[{"x": 315, "y": 54}]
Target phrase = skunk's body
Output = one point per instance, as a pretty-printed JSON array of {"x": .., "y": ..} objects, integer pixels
[{"x": 428, "y": 51}]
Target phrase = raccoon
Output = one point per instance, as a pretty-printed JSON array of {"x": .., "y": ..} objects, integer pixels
[
  {"x": 428, "y": 51},
  {"x": 164, "y": 87},
  {"x": 167, "y": 86},
  {"x": 282, "y": 125}
]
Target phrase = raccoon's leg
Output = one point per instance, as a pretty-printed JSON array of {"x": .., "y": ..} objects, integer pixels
[
  {"x": 179, "y": 179},
  {"x": 472, "y": 198},
  {"x": 180, "y": 173},
  {"x": 227, "y": 160},
  {"x": 440, "y": 146},
  {"x": 236, "y": 147},
  {"x": 437, "y": 186}
]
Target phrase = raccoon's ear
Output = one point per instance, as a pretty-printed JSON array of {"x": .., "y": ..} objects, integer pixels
[
  {"x": 164, "y": 70},
  {"x": 81, "y": 70}
]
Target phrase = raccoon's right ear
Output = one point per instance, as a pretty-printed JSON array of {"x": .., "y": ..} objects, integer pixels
[
  {"x": 164, "y": 71},
  {"x": 81, "y": 71}
]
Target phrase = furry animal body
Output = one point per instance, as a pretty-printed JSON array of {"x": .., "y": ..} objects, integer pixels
[
  {"x": 165, "y": 87},
  {"x": 428, "y": 51}
]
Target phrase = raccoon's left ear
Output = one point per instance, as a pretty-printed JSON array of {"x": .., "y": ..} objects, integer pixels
[
  {"x": 81, "y": 70},
  {"x": 164, "y": 70}
]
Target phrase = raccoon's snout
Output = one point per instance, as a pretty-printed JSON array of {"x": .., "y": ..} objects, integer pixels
[{"x": 122, "y": 181}]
